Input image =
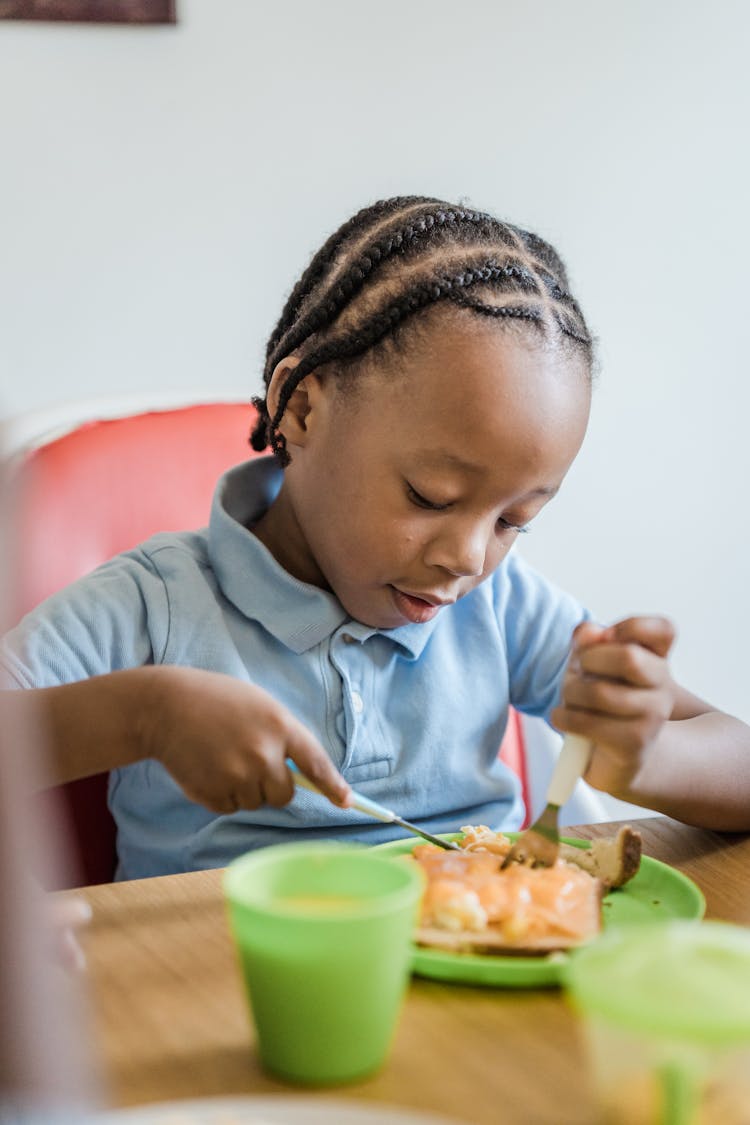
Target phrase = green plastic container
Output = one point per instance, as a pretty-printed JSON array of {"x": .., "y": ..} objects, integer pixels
[
  {"x": 323, "y": 933},
  {"x": 667, "y": 1022}
]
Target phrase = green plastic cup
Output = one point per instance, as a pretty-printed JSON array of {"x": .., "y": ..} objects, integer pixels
[
  {"x": 667, "y": 1022},
  {"x": 323, "y": 933}
]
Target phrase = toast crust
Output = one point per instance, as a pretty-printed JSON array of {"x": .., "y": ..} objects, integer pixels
[{"x": 614, "y": 861}]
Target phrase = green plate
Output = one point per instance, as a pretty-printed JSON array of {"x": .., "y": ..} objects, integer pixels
[{"x": 657, "y": 893}]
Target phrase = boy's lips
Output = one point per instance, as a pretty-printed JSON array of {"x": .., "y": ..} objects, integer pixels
[{"x": 418, "y": 609}]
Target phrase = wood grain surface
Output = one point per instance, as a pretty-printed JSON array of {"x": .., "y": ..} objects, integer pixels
[{"x": 170, "y": 1017}]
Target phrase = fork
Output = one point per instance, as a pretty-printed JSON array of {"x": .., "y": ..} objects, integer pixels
[
  {"x": 540, "y": 843},
  {"x": 372, "y": 808}
]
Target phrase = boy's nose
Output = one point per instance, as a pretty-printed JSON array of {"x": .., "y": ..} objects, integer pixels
[{"x": 461, "y": 553}]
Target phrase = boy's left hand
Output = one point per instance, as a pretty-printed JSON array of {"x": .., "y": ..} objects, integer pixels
[{"x": 618, "y": 692}]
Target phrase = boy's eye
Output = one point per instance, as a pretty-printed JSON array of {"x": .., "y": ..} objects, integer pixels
[
  {"x": 506, "y": 525},
  {"x": 422, "y": 501},
  {"x": 433, "y": 506}
]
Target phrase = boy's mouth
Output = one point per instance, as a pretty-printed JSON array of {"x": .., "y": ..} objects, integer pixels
[{"x": 416, "y": 609}]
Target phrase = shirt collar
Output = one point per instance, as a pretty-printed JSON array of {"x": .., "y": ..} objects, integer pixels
[{"x": 296, "y": 613}]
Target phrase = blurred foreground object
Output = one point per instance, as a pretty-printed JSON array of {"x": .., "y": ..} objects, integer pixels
[
  {"x": 667, "y": 1019},
  {"x": 45, "y": 1063}
]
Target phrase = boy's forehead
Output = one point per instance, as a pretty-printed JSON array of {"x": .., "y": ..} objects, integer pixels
[
  {"x": 457, "y": 347},
  {"x": 470, "y": 397}
]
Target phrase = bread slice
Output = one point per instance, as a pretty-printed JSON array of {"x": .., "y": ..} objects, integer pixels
[
  {"x": 613, "y": 861},
  {"x": 494, "y": 941}
]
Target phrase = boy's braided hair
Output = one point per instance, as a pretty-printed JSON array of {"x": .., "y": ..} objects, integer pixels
[{"x": 401, "y": 256}]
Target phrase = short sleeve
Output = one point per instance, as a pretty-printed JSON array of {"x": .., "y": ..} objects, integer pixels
[
  {"x": 116, "y": 617},
  {"x": 538, "y": 621}
]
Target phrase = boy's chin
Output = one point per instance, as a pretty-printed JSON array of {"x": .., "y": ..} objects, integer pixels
[
  {"x": 373, "y": 616},
  {"x": 376, "y": 620}
]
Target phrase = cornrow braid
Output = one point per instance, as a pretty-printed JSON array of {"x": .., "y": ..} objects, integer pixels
[
  {"x": 403, "y": 240},
  {"x": 544, "y": 253},
  {"x": 395, "y": 259},
  {"x": 512, "y": 312},
  {"x": 381, "y": 324},
  {"x": 569, "y": 327},
  {"x": 323, "y": 259}
]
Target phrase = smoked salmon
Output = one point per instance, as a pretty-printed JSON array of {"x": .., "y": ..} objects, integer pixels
[{"x": 470, "y": 903}]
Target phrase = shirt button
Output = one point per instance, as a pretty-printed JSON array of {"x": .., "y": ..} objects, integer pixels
[
  {"x": 347, "y": 638},
  {"x": 357, "y": 702}
]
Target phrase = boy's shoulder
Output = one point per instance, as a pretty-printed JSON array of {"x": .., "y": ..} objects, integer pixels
[
  {"x": 168, "y": 558},
  {"x": 522, "y": 593},
  {"x": 190, "y": 545}
]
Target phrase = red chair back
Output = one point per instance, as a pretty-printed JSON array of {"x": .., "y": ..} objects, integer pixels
[
  {"x": 513, "y": 753},
  {"x": 108, "y": 485},
  {"x": 101, "y": 489}
]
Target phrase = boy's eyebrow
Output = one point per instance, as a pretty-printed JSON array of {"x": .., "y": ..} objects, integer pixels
[{"x": 438, "y": 460}]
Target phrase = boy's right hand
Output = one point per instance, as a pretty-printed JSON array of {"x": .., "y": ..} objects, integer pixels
[{"x": 225, "y": 742}]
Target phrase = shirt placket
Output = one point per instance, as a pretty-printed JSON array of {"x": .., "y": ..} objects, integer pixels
[{"x": 349, "y": 660}]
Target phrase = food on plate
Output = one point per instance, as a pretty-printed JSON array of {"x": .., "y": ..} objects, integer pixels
[
  {"x": 472, "y": 904},
  {"x": 614, "y": 860}
]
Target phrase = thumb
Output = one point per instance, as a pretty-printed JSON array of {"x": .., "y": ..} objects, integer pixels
[{"x": 307, "y": 753}]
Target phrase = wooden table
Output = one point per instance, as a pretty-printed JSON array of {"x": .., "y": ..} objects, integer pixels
[{"x": 171, "y": 1020}]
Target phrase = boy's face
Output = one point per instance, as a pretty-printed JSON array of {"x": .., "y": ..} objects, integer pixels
[{"x": 403, "y": 496}]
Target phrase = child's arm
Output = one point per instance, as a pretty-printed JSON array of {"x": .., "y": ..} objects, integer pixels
[
  {"x": 223, "y": 741},
  {"x": 656, "y": 745}
]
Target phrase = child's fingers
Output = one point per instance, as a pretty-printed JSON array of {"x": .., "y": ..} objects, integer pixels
[
  {"x": 309, "y": 755},
  {"x": 588, "y": 633},
  {"x": 608, "y": 697},
  {"x": 628, "y": 663},
  {"x": 277, "y": 784},
  {"x": 626, "y": 734},
  {"x": 617, "y": 691},
  {"x": 654, "y": 633},
  {"x": 248, "y": 794}
]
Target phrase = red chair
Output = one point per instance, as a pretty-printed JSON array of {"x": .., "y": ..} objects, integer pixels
[
  {"x": 102, "y": 488},
  {"x": 513, "y": 753}
]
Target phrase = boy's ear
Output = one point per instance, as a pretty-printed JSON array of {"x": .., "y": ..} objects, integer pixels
[{"x": 294, "y": 423}]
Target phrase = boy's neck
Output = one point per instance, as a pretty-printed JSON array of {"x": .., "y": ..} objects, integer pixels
[{"x": 279, "y": 531}]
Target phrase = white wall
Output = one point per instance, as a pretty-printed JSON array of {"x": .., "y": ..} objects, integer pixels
[{"x": 161, "y": 188}]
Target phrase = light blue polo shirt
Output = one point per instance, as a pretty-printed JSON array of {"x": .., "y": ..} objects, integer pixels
[{"x": 412, "y": 717}]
